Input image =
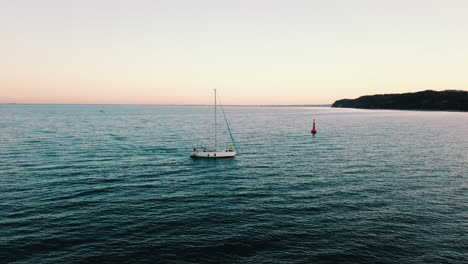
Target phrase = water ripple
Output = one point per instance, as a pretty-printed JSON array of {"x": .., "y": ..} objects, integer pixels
[{"x": 80, "y": 185}]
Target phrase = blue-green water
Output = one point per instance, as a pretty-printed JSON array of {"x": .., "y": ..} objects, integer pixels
[{"x": 115, "y": 184}]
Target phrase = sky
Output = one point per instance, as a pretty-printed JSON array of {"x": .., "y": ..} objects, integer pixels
[{"x": 258, "y": 52}]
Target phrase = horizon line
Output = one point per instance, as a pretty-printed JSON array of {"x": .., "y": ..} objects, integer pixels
[{"x": 284, "y": 105}]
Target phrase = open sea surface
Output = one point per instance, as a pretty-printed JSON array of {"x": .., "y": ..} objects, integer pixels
[{"x": 115, "y": 184}]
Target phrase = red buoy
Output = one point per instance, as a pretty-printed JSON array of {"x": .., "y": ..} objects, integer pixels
[{"x": 313, "y": 131}]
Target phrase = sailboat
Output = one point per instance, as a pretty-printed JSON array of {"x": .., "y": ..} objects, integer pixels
[{"x": 228, "y": 152}]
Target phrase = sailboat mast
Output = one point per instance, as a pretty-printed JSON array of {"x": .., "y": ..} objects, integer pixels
[{"x": 215, "y": 122}]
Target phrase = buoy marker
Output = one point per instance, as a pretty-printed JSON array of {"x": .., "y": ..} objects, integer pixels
[{"x": 313, "y": 131}]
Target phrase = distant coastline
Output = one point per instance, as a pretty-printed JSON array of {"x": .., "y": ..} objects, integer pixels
[{"x": 448, "y": 100}]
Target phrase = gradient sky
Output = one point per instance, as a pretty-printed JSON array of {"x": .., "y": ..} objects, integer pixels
[{"x": 253, "y": 52}]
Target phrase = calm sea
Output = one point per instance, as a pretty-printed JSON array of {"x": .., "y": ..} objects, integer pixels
[{"x": 115, "y": 184}]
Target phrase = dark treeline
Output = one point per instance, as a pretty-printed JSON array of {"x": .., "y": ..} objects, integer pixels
[{"x": 453, "y": 100}]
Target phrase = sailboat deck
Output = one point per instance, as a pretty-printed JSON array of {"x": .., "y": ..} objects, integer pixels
[{"x": 213, "y": 154}]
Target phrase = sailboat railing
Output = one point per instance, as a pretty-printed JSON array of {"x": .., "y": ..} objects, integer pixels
[{"x": 227, "y": 124}]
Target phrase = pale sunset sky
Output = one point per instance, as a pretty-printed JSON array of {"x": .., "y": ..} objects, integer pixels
[{"x": 253, "y": 52}]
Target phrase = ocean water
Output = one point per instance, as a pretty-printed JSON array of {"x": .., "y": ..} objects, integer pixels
[{"x": 115, "y": 184}]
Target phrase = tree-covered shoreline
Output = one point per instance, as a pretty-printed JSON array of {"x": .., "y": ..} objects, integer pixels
[{"x": 448, "y": 100}]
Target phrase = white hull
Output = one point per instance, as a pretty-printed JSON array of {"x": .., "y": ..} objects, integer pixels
[{"x": 213, "y": 154}]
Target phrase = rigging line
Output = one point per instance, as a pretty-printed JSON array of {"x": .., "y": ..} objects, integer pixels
[{"x": 227, "y": 123}]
